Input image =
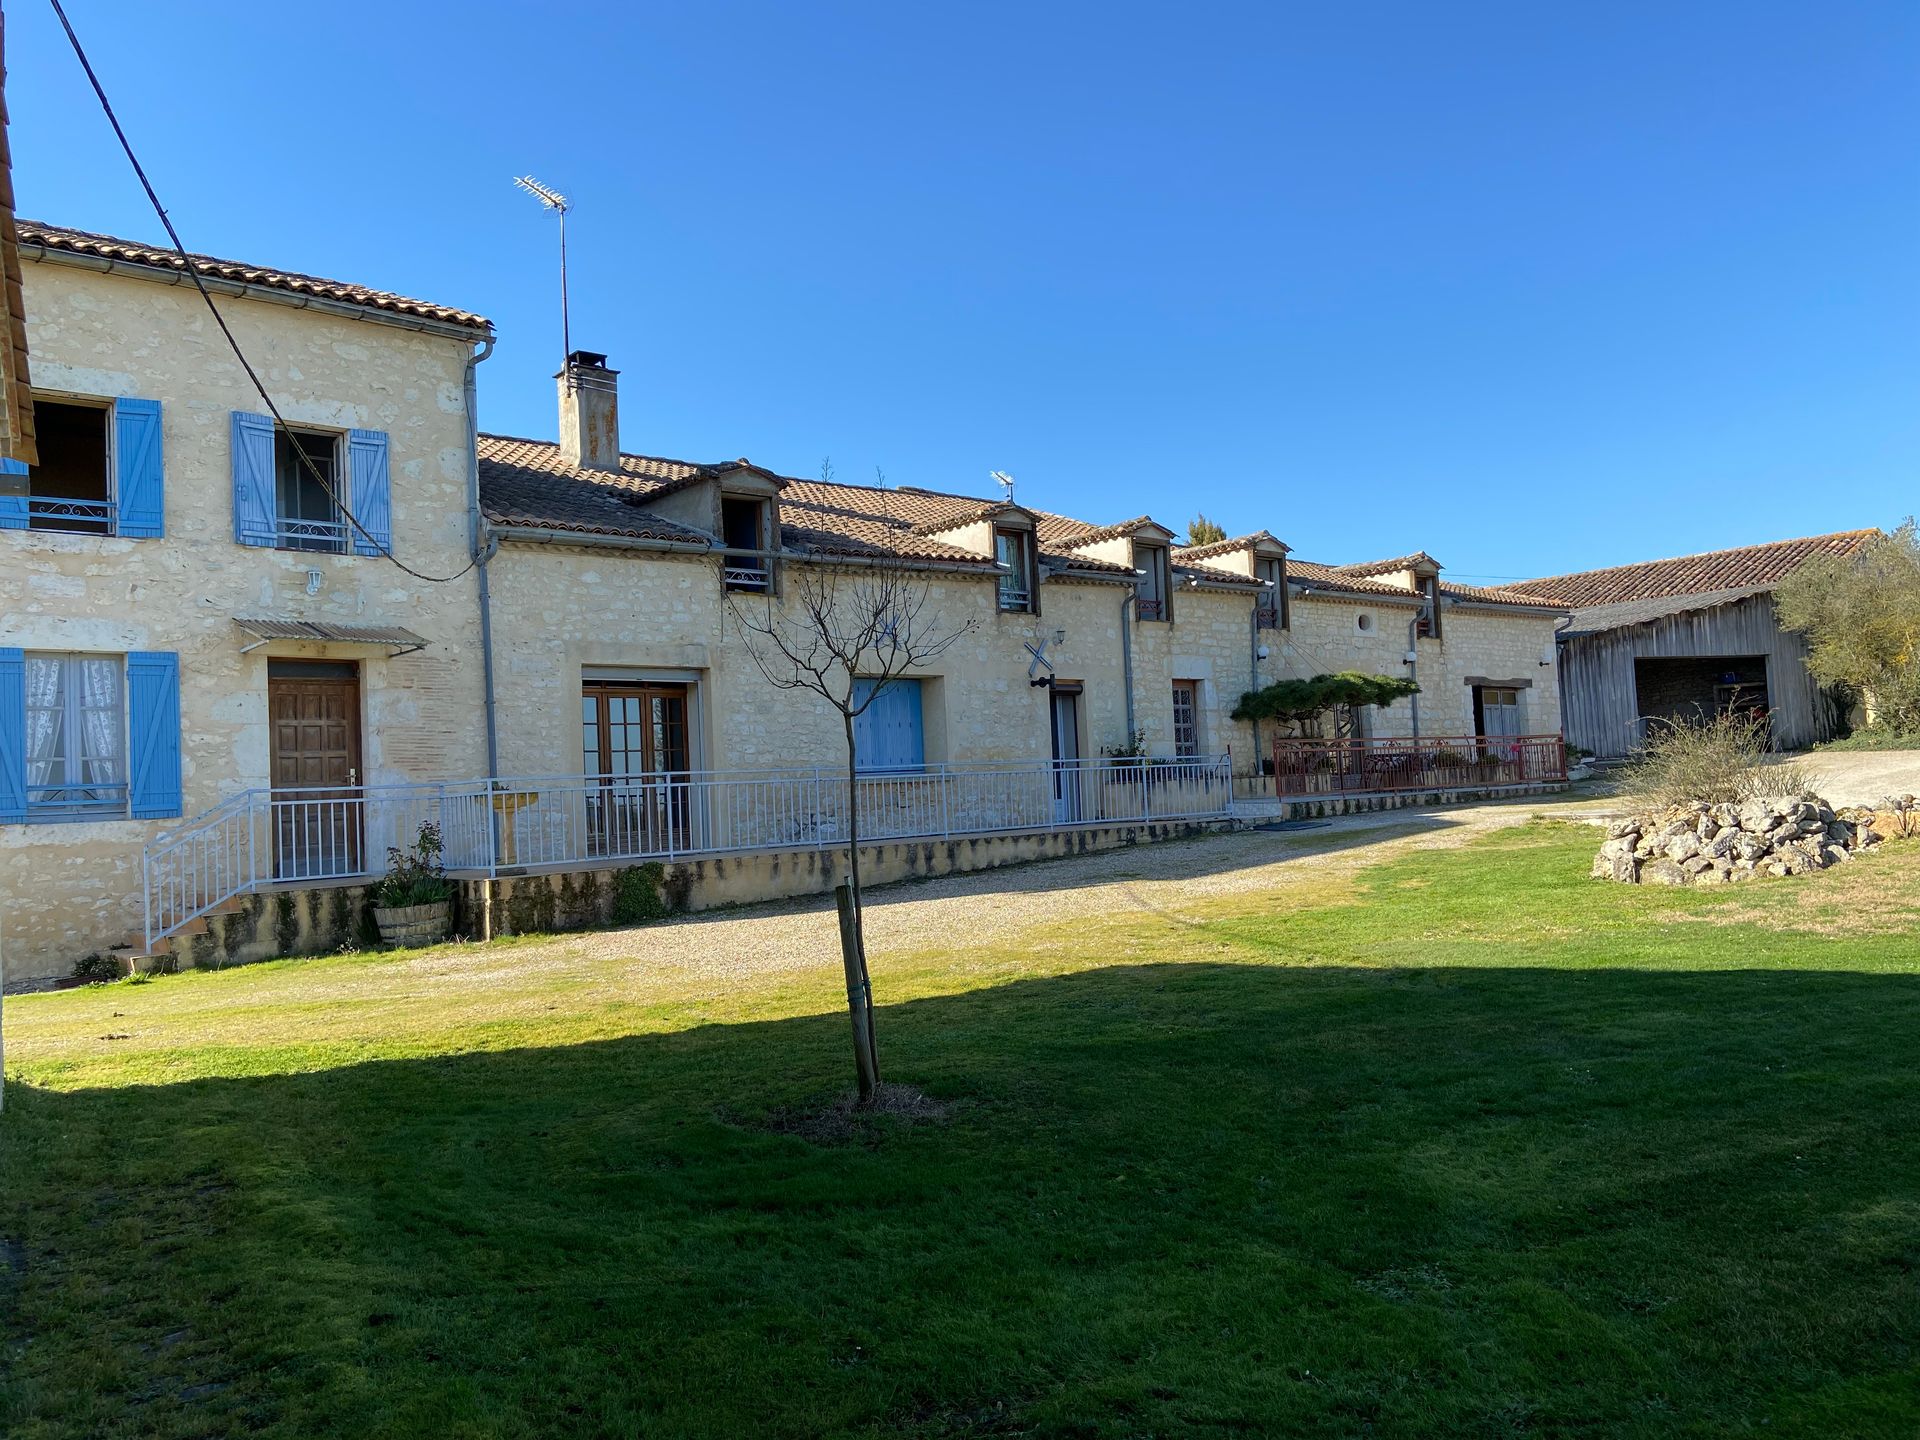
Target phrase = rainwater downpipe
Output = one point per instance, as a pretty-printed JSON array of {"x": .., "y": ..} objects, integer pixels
[
  {"x": 1126, "y": 656},
  {"x": 482, "y": 547},
  {"x": 1413, "y": 666}
]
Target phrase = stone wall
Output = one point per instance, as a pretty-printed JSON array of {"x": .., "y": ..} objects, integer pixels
[
  {"x": 71, "y": 888},
  {"x": 560, "y": 610}
]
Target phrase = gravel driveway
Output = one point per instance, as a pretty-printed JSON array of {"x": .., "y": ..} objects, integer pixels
[
  {"x": 1863, "y": 777},
  {"x": 1177, "y": 878}
]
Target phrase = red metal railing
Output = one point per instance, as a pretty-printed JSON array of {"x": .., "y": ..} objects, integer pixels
[{"x": 1431, "y": 762}]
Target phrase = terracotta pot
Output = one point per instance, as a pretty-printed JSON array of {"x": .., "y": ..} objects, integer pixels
[{"x": 411, "y": 925}]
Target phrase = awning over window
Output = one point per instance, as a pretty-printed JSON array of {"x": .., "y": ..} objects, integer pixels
[{"x": 269, "y": 628}]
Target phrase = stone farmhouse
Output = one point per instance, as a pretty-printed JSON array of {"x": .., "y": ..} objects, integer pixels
[
  {"x": 240, "y": 660},
  {"x": 1690, "y": 637}
]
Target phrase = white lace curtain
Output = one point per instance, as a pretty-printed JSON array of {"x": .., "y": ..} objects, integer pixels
[{"x": 75, "y": 729}]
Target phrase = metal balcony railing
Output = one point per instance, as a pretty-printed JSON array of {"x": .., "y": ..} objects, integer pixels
[
  {"x": 1387, "y": 763},
  {"x": 324, "y": 536},
  {"x": 85, "y": 517},
  {"x": 518, "y": 824}
]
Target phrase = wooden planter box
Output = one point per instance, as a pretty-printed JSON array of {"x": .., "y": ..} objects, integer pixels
[{"x": 411, "y": 925}]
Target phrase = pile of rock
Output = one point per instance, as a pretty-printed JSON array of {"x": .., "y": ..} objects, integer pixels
[{"x": 1714, "y": 844}]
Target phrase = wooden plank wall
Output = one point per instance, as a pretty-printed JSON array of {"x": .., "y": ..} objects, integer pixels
[{"x": 1596, "y": 674}]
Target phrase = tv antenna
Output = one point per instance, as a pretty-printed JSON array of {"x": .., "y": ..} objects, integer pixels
[
  {"x": 1005, "y": 481},
  {"x": 553, "y": 200}
]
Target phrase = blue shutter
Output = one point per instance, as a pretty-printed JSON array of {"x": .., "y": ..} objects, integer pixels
[
  {"x": 136, "y": 446},
  {"x": 13, "y": 508},
  {"x": 370, "y": 491},
  {"x": 889, "y": 732},
  {"x": 153, "y": 733},
  {"x": 13, "y": 735},
  {"x": 253, "y": 501}
]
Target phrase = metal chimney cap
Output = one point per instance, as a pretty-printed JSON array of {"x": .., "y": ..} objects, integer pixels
[{"x": 592, "y": 359}]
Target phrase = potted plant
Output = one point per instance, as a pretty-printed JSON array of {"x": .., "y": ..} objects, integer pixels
[{"x": 413, "y": 901}]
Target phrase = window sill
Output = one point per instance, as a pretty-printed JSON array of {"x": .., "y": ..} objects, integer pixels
[{"x": 71, "y": 817}]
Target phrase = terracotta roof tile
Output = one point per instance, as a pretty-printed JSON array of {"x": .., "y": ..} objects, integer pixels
[
  {"x": 1368, "y": 568},
  {"x": 106, "y": 247},
  {"x": 1715, "y": 570},
  {"x": 1227, "y": 547},
  {"x": 1501, "y": 595},
  {"x": 1334, "y": 577}
]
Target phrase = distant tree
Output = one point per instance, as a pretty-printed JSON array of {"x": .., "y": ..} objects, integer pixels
[
  {"x": 1861, "y": 616},
  {"x": 1304, "y": 704},
  {"x": 1203, "y": 531},
  {"x": 835, "y": 629},
  {"x": 826, "y": 470}
]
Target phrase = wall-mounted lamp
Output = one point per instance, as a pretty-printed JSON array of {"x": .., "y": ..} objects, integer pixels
[
  {"x": 315, "y": 579},
  {"x": 1262, "y": 653}
]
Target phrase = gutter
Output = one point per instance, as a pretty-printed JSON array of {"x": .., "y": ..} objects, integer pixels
[
  {"x": 546, "y": 535},
  {"x": 106, "y": 265}
]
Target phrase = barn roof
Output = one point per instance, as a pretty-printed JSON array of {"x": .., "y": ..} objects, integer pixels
[{"x": 1762, "y": 566}]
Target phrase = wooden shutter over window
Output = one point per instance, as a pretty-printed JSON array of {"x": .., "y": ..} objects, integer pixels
[
  {"x": 137, "y": 461},
  {"x": 370, "y": 492},
  {"x": 13, "y": 734},
  {"x": 153, "y": 734},
  {"x": 13, "y": 507},
  {"x": 253, "y": 503},
  {"x": 889, "y": 734}
]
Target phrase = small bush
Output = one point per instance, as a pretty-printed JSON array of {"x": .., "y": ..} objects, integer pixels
[
  {"x": 636, "y": 894},
  {"x": 414, "y": 876},
  {"x": 1719, "y": 761},
  {"x": 96, "y": 969}
]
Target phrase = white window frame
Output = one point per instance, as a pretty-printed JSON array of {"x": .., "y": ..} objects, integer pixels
[
  {"x": 341, "y": 484},
  {"x": 73, "y": 713}
]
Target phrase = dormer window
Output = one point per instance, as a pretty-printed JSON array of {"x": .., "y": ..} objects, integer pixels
[
  {"x": 1153, "y": 591},
  {"x": 1429, "y": 626},
  {"x": 1020, "y": 580},
  {"x": 747, "y": 532},
  {"x": 1274, "y": 613}
]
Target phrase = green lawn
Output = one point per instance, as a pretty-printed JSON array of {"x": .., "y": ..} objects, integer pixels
[{"x": 1463, "y": 1144}]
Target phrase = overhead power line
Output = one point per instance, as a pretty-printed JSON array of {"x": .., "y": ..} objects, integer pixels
[{"x": 380, "y": 547}]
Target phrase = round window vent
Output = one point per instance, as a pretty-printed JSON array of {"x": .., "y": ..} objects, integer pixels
[{"x": 1365, "y": 621}]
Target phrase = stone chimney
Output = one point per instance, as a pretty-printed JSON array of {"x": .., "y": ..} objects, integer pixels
[{"x": 589, "y": 412}]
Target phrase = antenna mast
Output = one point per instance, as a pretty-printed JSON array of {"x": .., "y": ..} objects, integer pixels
[
  {"x": 1005, "y": 482},
  {"x": 553, "y": 200}
]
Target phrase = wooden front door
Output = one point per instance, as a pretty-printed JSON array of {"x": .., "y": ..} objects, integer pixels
[
  {"x": 316, "y": 769},
  {"x": 634, "y": 746}
]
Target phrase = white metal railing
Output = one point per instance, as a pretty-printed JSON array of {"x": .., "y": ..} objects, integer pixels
[
  {"x": 520, "y": 823},
  {"x": 326, "y": 536},
  {"x": 744, "y": 577}
]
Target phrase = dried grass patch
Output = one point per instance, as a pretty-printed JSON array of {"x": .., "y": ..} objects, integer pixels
[{"x": 1866, "y": 896}]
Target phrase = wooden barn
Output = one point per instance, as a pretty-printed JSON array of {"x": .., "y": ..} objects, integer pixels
[{"x": 1686, "y": 638}]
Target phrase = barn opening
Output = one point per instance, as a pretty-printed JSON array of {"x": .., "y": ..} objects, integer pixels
[{"x": 1698, "y": 687}]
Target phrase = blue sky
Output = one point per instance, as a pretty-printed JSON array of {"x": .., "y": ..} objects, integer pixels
[{"x": 1533, "y": 287}]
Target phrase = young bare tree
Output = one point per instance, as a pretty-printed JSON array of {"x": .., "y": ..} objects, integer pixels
[{"x": 844, "y": 633}]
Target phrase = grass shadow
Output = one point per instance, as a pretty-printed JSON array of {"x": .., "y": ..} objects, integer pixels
[{"x": 1173, "y": 1198}]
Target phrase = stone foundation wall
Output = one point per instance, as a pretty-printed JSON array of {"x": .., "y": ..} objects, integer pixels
[
  {"x": 580, "y": 900},
  {"x": 1318, "y": 807}
]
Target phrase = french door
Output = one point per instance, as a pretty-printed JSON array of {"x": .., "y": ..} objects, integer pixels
[
  {"x": 1067, "y": 775},
  {"x": 635, "y": 751}
]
